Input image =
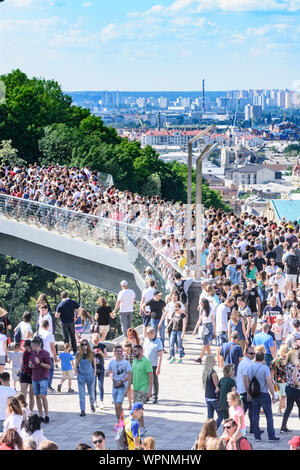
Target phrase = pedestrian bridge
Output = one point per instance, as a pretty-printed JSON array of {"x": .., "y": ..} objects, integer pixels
[{"x": 88, "y": 248}]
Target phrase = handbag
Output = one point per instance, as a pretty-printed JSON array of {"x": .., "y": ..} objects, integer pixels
[{"x": 203, "y": 331}]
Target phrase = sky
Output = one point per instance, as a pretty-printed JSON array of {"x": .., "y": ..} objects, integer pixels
[{"x": 153, "y": 45}]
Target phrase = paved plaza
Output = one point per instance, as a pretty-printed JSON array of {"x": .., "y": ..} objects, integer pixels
[{"x": 174, "y": 422}]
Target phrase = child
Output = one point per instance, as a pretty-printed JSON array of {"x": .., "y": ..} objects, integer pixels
[
  {"x": 148, "y": 443},
  {"x": 277, "y": 329},
  {"x": 236, "y": 412},
  {"x": 66, "y": 359},
  {"x": 26, "y": 411},
  {"x": 226, "y": 384},
  {"x": 15, "y": 357}
]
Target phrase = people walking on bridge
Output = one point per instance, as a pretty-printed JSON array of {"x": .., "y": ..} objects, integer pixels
[
  {"x": 125, "y": 302},
  {"x": 176, "y": 330},
  {"x": 66, "y": 312}
]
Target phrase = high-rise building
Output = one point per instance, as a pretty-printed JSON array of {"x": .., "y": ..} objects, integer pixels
[{"x": 280, "y": 98}]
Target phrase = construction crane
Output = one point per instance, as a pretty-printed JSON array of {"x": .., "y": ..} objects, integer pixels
[{"x": 140, "y": 119}]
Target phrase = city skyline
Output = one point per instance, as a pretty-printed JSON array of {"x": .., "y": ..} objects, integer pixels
[{"x": 157, "y": 45}]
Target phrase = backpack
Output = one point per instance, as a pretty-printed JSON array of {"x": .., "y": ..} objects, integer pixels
[
  {"x": 181, "y": 294},
  {"x": 245, "y": 441},
  {"x": 18, "y": 336},
  {"x": 122, "y": 438},
  {"x": 254, "y": 387}
]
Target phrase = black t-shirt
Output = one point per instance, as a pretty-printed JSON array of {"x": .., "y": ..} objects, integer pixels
[
  {"x": 156, "y": 307},
  {"x": 104, "y": 315},
  {"x": 259, "y": 263},
  {"x": 67, "y": 308},
  {"x": 251, "y": 296},
  {"x": 292, "y": 264},
  {"x": 217, "y": 272},
  {"x": 99, "y": 358}
]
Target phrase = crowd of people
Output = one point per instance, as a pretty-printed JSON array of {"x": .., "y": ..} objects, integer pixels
[{"x": 249, "y": 304}]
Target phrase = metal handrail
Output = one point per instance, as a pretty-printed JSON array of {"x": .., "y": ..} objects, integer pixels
[{"x": 89, "y": 227}]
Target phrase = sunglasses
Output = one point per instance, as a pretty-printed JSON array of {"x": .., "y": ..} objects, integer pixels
[
  {"x": 84, "y": 344},
  {"x": 227, "y": 427},
  {"x": 99, "y": 441}
]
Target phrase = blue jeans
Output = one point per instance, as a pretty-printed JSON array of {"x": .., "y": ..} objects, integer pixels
[
  {"x": 162, "y": 333},
  {"x": 264, "y": 402},
  {"x": 100, "y": 379},
  {"x": 154, "y": 324},
  {"x": 268, "y": 359},
  {"x": 81, "y": 390},
  {"x": 212, "y": 406},
  {"x": 248, "y": 406},
  {"x": 85, "y": 377},
  {"x": 176, "y": 336},
  {"x": 51, "y": 373}
]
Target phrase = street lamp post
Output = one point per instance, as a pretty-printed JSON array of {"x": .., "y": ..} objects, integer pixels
[
  {"x": 189, "y": 192},
  {"x": 199, "y": 208}
]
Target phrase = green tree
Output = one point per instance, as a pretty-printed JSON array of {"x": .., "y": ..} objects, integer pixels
[{"x": 9, "y": 155}]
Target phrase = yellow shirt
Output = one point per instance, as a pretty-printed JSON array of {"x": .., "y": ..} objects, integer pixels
[{"x": 182, "y": 262}]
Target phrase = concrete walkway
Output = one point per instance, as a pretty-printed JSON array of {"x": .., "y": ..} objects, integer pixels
[{"x": 174, "y": 422}]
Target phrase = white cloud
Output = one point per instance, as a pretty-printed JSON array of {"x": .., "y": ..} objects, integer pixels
[
  {"x": 30, "y": 3},
  {"x": 87, "y": 4},
  {"x": 30, "y": 26},
  {"x": 111, "y": 31}
]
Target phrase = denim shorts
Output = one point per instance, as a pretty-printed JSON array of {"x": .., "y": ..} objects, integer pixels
[
  {"x": 221, "y": 338},
  {"x": 119, "y": 394},
  {"x": 40, "y": 387},
  {"x": 208, "y": 338}
]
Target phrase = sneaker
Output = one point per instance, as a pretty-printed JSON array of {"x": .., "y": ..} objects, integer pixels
[
  {"x": 59, "y": 388},
  {"x": 172, "y": 360},
  {"x": 284, "y": 430},
  {"x": 82, "y": 413},
  {"x": 179, "y": 361},
  {"x": 154, "y": 401},
  {"x": 199, "y": 360},
  {"x": 276, "y": 439},
  {"x": 93, "y": 409},
  {"x": 46, "y": 419},
  {"x": 165, "y": 352},
  {"x": 51, "y": 389},
  {"x": 42, "y": 419},
  {"x": 71, "y": 390},
  {"x": 258, "y": 440},
  {"x": 102, "y": 405}
]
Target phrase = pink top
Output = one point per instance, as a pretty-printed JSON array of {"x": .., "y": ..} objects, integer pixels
[{"x": 235, "y": 413}]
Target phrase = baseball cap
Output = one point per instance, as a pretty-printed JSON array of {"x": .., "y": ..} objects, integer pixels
[
  {"x": 124, "y": 283},
  {"x": 136, "y": 406},
  {"x": 295, "y": 442}
]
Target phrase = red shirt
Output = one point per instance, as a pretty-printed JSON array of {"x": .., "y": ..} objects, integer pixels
[{"x": 39, "y": 372}]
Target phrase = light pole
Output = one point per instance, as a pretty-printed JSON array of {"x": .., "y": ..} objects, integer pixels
[
  {"x": 199, "y": 208},
  {"x": 189, "y": 193}
]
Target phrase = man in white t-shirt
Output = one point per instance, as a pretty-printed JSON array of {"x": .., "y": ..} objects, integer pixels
[
  {"x": 49, "y": 346},
  {"x": 125, "y": 301},
  {"x": 6, "y": 391}
]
